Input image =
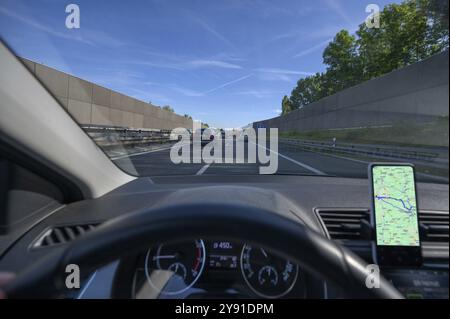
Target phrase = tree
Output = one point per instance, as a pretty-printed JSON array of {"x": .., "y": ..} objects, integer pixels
[
  {"x": 409, "y": 32},
  {"x": 286, "y": 105},
  {"x": 341, "y": 56},
  {"x": 308, "y": 90},
  {"x": 168, "y": 108},
  {"x": 188, "y": 116}
]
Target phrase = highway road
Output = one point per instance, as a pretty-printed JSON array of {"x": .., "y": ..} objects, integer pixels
[{"x": 155, "y": 161}]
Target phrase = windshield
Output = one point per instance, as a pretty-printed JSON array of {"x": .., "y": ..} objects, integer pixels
[{"x": 246, "y": 87}]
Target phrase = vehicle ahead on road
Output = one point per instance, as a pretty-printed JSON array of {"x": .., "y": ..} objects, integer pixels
[{"x": 116, "y": 209}]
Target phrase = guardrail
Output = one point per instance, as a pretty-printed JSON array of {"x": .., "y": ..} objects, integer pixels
[
  {"x": 358, "y": 149},
  {"x": 112, "y": 136}
]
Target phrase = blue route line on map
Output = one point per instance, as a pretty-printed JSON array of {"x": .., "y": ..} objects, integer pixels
[{"x": 384, "y": 198}]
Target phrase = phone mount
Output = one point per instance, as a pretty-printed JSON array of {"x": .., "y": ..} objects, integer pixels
[{"x": 367, "y": 230}]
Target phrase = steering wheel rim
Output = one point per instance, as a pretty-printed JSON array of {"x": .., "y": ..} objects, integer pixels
[{"x": 137, "y": 231}]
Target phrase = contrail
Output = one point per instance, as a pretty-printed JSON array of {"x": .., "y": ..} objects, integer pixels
[
  {"x": 228, "y": 83},
  {"x": 313, "y": 48}
]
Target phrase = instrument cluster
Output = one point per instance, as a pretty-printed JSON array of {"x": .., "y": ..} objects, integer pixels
[{"x": 222, "y": 268}]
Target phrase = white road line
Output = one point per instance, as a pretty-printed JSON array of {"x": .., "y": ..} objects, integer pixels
[
  {"x": 141, "y": 153},
  {"x": 203, "y": 169},
  {"x": 310, "y": 168}
]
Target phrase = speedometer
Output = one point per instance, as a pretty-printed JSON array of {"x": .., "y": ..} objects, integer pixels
[
  {"x": 174, "y": 268},
  {"x": 269, "y": 276}
]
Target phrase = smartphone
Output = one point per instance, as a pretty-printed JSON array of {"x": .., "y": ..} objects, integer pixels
[{"x": 395, "y": 215}]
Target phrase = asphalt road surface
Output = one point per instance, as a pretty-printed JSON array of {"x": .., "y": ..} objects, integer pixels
[{"x": 291, "y": 161}]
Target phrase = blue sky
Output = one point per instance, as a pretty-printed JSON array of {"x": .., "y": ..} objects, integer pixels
[{"x": 227, "y": 63}]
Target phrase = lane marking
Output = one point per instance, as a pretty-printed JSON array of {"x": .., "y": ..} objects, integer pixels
[
  {"x": 203, "y": 169},
  {"x": 142, "y": 153},
  {"x": 310, "y": 168}
]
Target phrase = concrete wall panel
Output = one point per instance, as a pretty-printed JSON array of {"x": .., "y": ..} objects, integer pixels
[
  {"x": 117, "y": 117},
  {"x": 55, "y": 81},
  {"x": 93, "y": 104},
  {"x": 101, "y": 115},
  {"x": 80, "y": 90},
  {"x": 115, "y": 100},
  {"x": 126, "y": 103},
  {"x": 101, "y": 95},
  {"x": 417, "y": 93},
  {"x": 138, "y": 120},
  {"x": 81, "y": 111}
]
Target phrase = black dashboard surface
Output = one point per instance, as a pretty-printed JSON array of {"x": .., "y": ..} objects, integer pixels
[{"x": 293, "y": 193}]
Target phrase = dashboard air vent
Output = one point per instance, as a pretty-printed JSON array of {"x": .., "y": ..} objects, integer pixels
[
  {"x": 434, "y": 226},
  {"x": 344, "y": 224},
  {"x": 62, "y": 235}
]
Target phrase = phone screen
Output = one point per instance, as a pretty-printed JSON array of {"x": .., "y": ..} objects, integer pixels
[{"x": 395, "y": 205}]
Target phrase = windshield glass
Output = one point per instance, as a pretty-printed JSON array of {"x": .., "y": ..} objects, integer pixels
[{"x": 246, "y": 87}]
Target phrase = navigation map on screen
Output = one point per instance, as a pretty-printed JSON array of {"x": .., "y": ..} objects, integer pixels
[{"x": 395, "y": 206}]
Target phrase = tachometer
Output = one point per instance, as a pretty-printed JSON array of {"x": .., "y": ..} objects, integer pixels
[
  {"x": 269, "y": 276},
  {"x": 174, "y": 268}
]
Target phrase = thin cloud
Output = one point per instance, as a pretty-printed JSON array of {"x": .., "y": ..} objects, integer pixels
[
  {"x": 186, "y": 91},
  {"x": 86, "y": 36},
  {"x": 312, "y": 49},
  {"x": 144, "y": 95},
  {"x": 260, "y": 94},
  {"x": 275, "y": 77},
  {"x": 283, "y": 75},
  {"x": 185, "y": 65},
  {"x": 41, "y": 27},
  {"x": 194, "y": 93},
  {"x": 283, "y": 71},
  {"x": 337, "y": 7},
  {"x": 205, "y": 26},
  {"x": 213, "y": 63}
]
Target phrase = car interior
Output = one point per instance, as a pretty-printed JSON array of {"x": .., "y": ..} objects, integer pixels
[
  {"x": 64, "y": 202},
  {"x": 115, "y": 225}
]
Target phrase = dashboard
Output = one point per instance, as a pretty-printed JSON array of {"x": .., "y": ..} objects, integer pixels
[
  {"x": 212, "y": 269},
  {"x": 221, "y": 267}
]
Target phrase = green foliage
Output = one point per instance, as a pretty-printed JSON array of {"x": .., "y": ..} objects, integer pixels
[
  {"x": 409, "y": 32},
  {"x": 168, "y": 108},
  {"x": 344, "y": 66},
  {"x": 286, "y": 105},
  {"x": 308, "y": 90}
]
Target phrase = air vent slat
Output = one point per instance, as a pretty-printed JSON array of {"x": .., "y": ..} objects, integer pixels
[
  {"x": 62, "y": 234},
  {"x": 345, "y": 224},
  {"x": 48, "y": 241},
  {"x": 436, "y": 226},
  {"x": 70, "y": 233},
  {"x": 59, "y": 235},
  {"x": 80, "y": 230}
]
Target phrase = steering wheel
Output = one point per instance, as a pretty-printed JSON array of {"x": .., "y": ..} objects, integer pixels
[{"x": 137, "y": 231}]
